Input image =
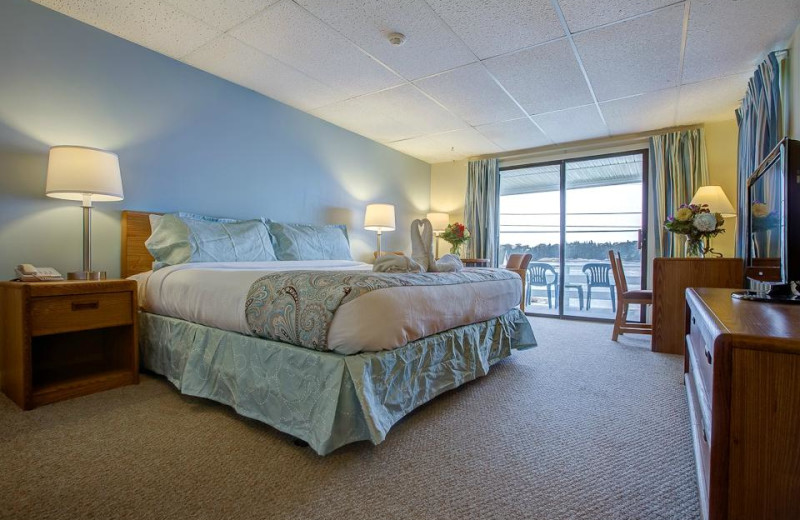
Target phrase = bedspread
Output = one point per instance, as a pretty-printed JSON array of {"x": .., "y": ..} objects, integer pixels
[{"x": 297, "y": 307}]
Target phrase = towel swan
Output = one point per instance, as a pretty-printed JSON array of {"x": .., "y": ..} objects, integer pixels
[
  {"x": 421, "y": 249},
  {"x": 422, "y": 259}
]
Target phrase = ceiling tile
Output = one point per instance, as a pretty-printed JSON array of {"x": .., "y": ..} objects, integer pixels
[
  {"x": 449, "y": 146},
  {"x": 292, "y": 35},
  {"x": 494, "y": 27},
  {"x": 543, "y": 78},
  {"x": 390, "y": 115},
  {"x": 472, "y": 94},
  {"x": 712, "y": 100},
  {"x": 573, "y": 124},
  {"x": 149, "y": 23},
  {"x": 430, "y": 45},
  {"x": 425, "y": 149},
  {"x": 222, "y": 15},
  {"x": 642, "y": 113},
  {"x": 640, "y": 55},
  {"x": 585, "y": 14},
  {"x": 729, "y": 37},
  {"x": 229, "y": 58},
  {"x": 517, "y": 134}
]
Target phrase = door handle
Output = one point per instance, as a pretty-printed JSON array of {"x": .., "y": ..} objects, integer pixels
[{"x": 639, "y": 239}]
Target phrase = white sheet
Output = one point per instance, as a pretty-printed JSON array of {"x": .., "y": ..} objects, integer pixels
[{"x": 214, "y": 294}]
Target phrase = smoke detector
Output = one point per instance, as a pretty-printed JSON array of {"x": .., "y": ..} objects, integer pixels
[{"x": 396, "y": 38}]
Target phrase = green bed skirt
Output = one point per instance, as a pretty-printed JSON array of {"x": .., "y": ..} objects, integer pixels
[{"x": 324, "y": 398}]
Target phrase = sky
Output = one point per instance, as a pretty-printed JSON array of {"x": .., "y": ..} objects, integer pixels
[{"x": 599, "y": 214}]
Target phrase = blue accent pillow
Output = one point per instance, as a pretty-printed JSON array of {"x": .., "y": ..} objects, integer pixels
[
  {"x": 181, "y": 239},
  {"x": 309, "y": 242}
]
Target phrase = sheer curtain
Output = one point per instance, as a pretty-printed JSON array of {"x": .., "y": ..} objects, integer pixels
[
  {"x": 677, "y": 167},
  {"x": 481, "y": 209},
  {"x": 763, "y": 121}
]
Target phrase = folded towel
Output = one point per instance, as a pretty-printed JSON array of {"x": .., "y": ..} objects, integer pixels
[
  {"x": 396, "y": 264},
  {"x": 422, "y": 250},
  {"x": 421, "y": 242},
  {"x": 448, "y": 263}
]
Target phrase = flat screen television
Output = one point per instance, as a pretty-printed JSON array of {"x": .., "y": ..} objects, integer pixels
[{"x": 772, "y": 217}]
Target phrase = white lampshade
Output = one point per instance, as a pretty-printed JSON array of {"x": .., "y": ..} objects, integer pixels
[
  {"x": 439, "y": 221},
  {"x": 76, "y": 171},
  {"x": 716, "y": 200},
  {"x": 379, "y": 217}
]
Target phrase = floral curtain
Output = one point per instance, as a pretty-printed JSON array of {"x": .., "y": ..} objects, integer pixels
[
  {"x": 678, "y": 168},
  {"x": 481, "y": 209},
  {"x": 763, "y": 121}
]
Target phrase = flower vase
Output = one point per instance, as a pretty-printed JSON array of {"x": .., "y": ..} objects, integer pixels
[
  {"x": 455, "y": 249},
  {"x": 694, "y": 248}
]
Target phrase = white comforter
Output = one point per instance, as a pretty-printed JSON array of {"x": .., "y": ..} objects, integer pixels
[{"x": 214, "y": 294}]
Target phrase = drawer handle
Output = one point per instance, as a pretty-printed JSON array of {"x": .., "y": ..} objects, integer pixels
[
  {"x": 708, "y": 356},
  {"x": 85, "y": 306},
  {"x": 705, "y": 437},
  {"x": 694, "y": 321}
]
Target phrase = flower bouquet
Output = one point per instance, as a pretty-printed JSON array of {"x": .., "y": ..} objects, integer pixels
[
  {"x": 699, "y": 225},
  {"x": 455, "y": 234}
]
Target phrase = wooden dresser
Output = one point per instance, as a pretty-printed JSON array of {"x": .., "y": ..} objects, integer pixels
[
  {"x": 671, "y": 277},
  {"x": 742, "y": 373}
]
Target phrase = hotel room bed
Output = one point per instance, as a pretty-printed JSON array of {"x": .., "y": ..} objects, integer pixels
[{"x": 375, "y": 347}]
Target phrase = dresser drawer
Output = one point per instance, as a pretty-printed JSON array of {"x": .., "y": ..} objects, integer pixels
[
  {"x": 56, "y": 314},
  {"x": 702, "y": 347},
  {"x": 701, "y": 444}
]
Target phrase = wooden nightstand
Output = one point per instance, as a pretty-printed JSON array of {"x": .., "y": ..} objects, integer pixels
[{"x": 65, "y": 339}]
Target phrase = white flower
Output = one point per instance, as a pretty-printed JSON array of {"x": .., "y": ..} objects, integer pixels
[{"x": 705, "y": 222}]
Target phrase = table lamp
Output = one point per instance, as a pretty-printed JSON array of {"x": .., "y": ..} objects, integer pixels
[
  {"x": 716, "y": 200},
  {"x": 379, "y": 218},
  {"x": 88, "y": 175},
  {"x": 439, "y": 223}
]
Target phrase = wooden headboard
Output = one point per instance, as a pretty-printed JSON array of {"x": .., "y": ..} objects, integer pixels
[{"x": 135, "y": 230}]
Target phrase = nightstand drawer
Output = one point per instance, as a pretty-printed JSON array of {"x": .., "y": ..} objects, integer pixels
[{"x": 53, "y": 315}]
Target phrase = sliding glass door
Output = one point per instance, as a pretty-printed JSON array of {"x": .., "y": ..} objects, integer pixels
[{"x": 569, "y": 215}]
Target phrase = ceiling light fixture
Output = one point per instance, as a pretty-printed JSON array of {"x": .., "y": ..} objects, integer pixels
[{"x": 396, "y": 38}]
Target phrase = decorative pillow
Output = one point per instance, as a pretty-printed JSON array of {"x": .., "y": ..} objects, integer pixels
[
  {"x": 154, "y": 220},
  {"x": 309, "y": 242},
  {"x": 178, "y": 240}
]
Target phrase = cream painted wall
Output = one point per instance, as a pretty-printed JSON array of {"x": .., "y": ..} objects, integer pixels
[
  {"x": 721, "y": 150},
  {"x": 448, "y": 187}
]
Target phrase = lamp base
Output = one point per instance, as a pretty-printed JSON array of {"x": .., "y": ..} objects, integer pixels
[{"x": 87, "y": 275}]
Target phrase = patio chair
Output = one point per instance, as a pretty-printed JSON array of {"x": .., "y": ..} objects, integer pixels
[
  {"x": 626, "y": 297},
  {"x": 537, "y": 277},
  {"x": 598, "y": 274}
]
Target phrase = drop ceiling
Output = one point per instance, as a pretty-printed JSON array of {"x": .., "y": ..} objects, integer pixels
[{"x": 473, "y": 77}]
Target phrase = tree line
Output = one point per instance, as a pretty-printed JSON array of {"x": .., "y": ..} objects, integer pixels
[{"x": 576, "y": 250}]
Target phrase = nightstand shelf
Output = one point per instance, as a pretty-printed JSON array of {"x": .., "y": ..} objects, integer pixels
[{"x": 66, "y": 339}]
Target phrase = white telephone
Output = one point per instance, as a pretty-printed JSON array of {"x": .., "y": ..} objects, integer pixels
[{"x": 29, "y": 273}]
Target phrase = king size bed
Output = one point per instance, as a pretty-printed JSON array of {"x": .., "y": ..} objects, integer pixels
[{"x": 324, "y": 350}]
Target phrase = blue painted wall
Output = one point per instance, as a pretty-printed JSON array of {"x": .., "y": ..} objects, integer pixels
[{"x": 186, "y": 141}]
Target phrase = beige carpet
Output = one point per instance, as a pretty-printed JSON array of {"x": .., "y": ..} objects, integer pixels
[{"x": 578, "y": 428}]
